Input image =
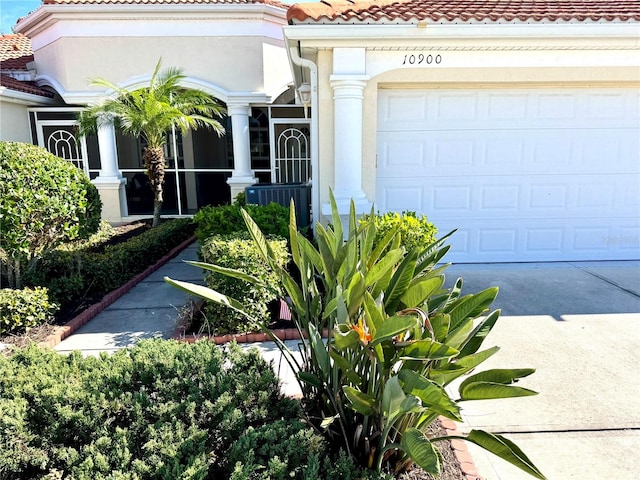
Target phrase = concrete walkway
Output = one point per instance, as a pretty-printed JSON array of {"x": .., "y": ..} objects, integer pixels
[{"x": 578, "y": 324}]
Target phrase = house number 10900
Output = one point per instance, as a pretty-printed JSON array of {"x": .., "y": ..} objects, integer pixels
[{"x": 421, "y": 58}]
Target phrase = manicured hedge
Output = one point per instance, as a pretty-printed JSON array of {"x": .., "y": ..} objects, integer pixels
[
  {"x": 161, "y": 410},
  {"x": 239, "y": 252},
  {"x": 273, "y": 219},
  {"x": 416, "y": 231},
  {"x": 71, "y": 273},
  {"x": 24, "y": 308}
]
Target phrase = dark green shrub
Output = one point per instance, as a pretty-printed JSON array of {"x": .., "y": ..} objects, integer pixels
[
  {"x": 160, "y": 410},
  {"x": 276, "y": 451},
  {"x": 273, "y": 219},
  {"x": 415, "y": 231},
  {"x": 45, "y": 201},
  {"x": 77, "y": 271},
  {"x": 239, "y": 252},
  {"x": 23, "y": 309}
]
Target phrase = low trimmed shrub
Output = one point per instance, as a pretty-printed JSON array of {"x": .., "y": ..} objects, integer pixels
[
  {"x": 159, "y": 410},
  {"x": 25, "y": 308},
  {"x": 46, "y": 201},
  {"x": 415, "y": 231},
  {"x": 273, "y": 219},
  {"x": 77, "y": 271},
  {"x": 239, "y": 252}
]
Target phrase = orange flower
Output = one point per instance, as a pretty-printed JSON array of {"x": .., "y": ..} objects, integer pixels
[{"x": 365, "y": 336}]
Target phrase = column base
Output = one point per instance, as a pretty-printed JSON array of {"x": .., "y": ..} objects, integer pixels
[
  {"x": 343, "y": 202},
  {"x": 113, "y": 196},
  {"x": 237, "y": 184}
]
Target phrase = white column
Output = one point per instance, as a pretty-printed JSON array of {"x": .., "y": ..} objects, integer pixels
[
  {"x": 348, "y": 94},
  {"x": 242, "y": 175},
  {"x": 110, "y": 183}
]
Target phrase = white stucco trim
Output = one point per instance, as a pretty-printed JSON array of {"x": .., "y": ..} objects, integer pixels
[
  {"x": 51, "y": 22},
  {"x": 88, "y": 97}
]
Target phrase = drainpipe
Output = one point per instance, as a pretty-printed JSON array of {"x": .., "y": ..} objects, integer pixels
[{"x": 313, "y": 70}]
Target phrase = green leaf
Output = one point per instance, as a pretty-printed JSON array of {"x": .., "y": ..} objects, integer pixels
[
  {"x": 319, "y": 350},
  {"x": 431, "y": 394},
  {"x": 489, "y": 391},
  {"x": 505, "y": 449},
  {"x": 359, "y": 401},
  {"x": 392, "y": 398},
  {"x": 495, "y": 384},
  {"x": 440, "y": 323},
  {"x": 335, "y": 217},
  {"x": 263, "y": 246},
  {"x": 458, "y": 335},
  {"x": 345, "y": 337},
  {"x": 477, "y": 336},
  {"x": 393, "y": 326},
  {"x": 342, "y": 363},
  {"x": 355, "y": 294},
  {"x": 310, "y": 379},
  {"x": 421, "y": 450},
  {"x": 499, "y": 375},
  {"x": 425, "y": 350},
  {"x": 472, "y": 361},
  {"x": 400, "y": 281},
  {"x": 208, "y": 294},
  {"x": 419, "y": 292},
  {"x": 472, "y": 305},
  {"x": 384, "y": 266}
]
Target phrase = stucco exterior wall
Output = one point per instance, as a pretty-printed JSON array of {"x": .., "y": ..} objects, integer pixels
[
  {"x": 233, "y": 64},
  {"x": 620, "y": 72},
  {"x": 14, "y": 122}
]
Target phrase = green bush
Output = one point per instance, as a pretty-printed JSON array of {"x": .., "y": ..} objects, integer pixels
[
  {"x": 159, "y": 410},
  {"x": 45, "y": 201},
  {"x": 276, "y": 451},
  {"x": 23, "y": 309},
  {"x": 273, "y": 219},
  {"x": 398, "y": 339},
  {"x": 77, "y": 271},
  {"x": 415, "y": 231},
  {"x": 239, "y": 252},
  {"x": 289, "y": 449}
]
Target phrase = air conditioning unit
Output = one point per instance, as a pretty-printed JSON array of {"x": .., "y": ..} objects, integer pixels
[{"x": 282, "y": 193}]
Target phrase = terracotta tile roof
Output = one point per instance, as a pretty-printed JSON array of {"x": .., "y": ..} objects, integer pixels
[
  {"x": 15, "y": 52},
  {"x": 275, "y": 3},
  {"x": 464, "y": 11},
  {"x": 25, "y": 87}
]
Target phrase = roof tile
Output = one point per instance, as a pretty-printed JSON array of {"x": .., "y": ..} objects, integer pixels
[
  {"x": 463, "y": 11},
  {"x": 166, "y": 2},
  {"x": 25, "y": 87}
]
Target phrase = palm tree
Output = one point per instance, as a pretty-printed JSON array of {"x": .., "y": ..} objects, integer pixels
[{"x": 150, "y": 112}]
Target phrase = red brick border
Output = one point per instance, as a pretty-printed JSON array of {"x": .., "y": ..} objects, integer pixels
[
  {"x": 460, "y": 450},
  {"x": 62, "y": 332}
]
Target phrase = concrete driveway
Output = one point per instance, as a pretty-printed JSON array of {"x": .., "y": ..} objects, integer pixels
[{"x": 578, "y": 324}]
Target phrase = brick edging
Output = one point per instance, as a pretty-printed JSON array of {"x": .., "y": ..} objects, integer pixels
[
  {"x": 61, "y": 332},
  {"x": 460, "y": 450}
]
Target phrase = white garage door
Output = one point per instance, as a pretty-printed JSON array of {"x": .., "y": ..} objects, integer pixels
[{"x": 524, "y": 175}]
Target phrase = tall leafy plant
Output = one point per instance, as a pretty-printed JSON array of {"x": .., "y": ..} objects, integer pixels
[
  {"x": 150, "y": 112},
  {"x": 397, "y": 339}
]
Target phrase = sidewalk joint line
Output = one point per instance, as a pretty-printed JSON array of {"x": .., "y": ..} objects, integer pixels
[{"x": 604, "y": 279}]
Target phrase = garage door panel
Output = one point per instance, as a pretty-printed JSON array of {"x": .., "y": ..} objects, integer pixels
[
  {"x": 540, "y": 240},
  {"x": 524, "y": 174},
  {"x": 401, "y": 110},
  {"x": 520, "y": 152},
  {"x": 573, "y": 196}
]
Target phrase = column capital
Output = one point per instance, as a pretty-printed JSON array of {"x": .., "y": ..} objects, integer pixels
[{"x": 239, "y": 108}]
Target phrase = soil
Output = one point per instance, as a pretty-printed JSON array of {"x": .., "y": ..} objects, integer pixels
[{"x": 450, "y": 466}]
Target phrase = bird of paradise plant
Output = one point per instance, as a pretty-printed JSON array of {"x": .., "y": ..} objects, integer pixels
[{"x": 397, "y": 339}]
